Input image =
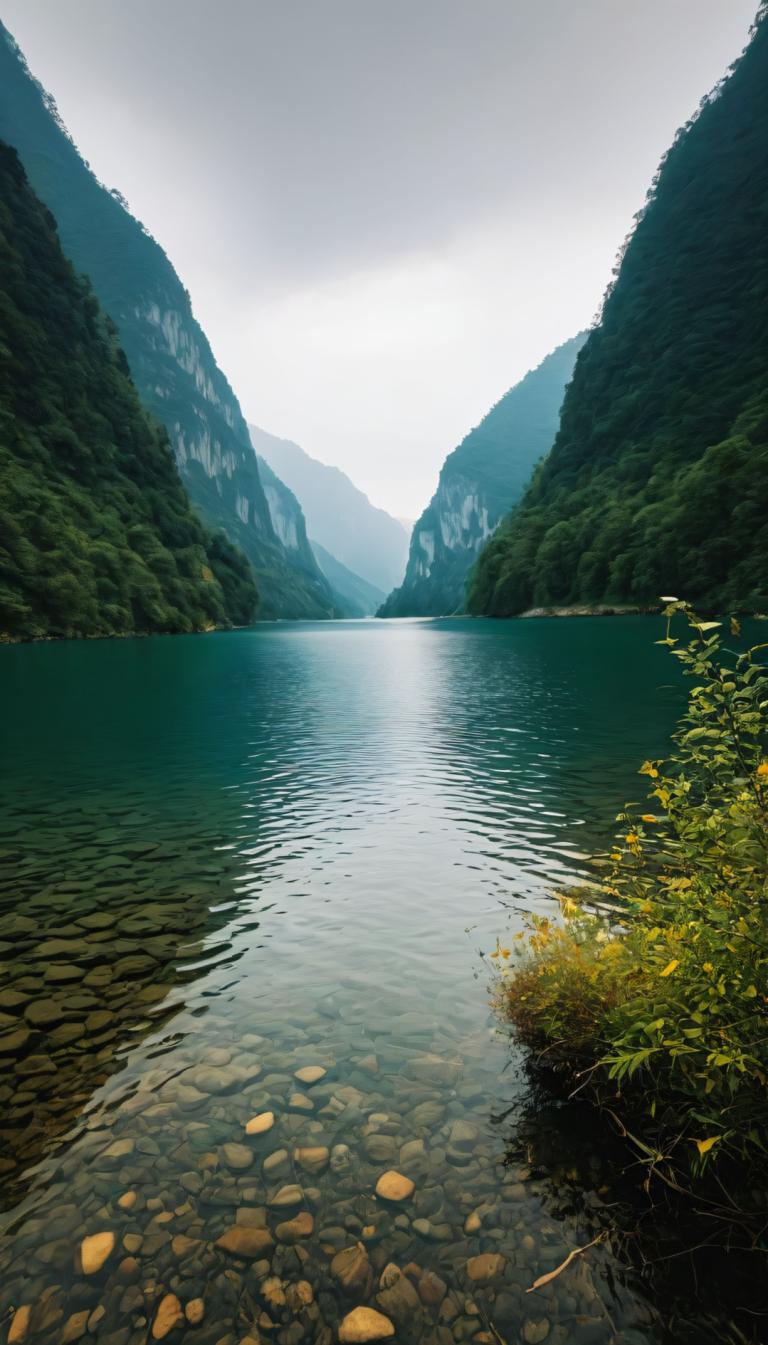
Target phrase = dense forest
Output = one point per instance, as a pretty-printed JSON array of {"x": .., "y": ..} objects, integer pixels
[
  {"x": 479, "y": 481},
  {"x": 168, "y": 353},
  {"x": 97, "y": 535},
  {"x": 658, "y": 479}
]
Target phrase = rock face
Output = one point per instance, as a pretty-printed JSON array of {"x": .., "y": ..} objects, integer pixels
[
  {"x": 169, "y": 355},
  {"x": 366, "y": 540},
  {"x": 364, "y": 1324},
  {"x": 479, "y": 482},
  {"x": 354, "y": 595}
]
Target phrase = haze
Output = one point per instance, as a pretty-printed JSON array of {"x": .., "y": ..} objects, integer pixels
[{"x": 385, "y": 212}]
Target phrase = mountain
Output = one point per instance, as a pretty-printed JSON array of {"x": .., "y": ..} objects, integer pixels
[
  {"x": 658, "y": 479},
  {"x": 339, "y": 516},
  {"x": 168, "y": 353},
  {"x": 479, "y": 481},
  {"x": 97, "y": 534},
  {"x": 355, "y": 597},
  {"x": 290, "y": 527}
]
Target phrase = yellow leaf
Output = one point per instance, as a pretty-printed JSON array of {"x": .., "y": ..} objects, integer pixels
[
  {"x": 671, "y": 966},
  {"x": 763, "y": 768},
  {"x": 648, "y": 817},
  {"x": 704, "y": 1146}
]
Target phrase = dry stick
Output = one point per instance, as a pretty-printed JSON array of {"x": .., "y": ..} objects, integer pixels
[{"x": 553, "y": 1274}]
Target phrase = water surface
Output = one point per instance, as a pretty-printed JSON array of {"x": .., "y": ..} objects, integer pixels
[{"x": 226, "y": 858}]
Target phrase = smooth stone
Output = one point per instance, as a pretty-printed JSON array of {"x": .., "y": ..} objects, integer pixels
[
  {"x": 394, "y": 1186},
  {"x": 399, "y": 1298},
  {"x": 463, "y": 1136},
  {"x": 431, "y": 1289},
  {"x": 237, "y": 1156},
  {"x": 293, "y": 1230},
  {"x": 259, "y": 1125},
  {"x": 95, "y": 1250},
  {"x": 169, "y": 1315},
  {"x": 127, "y": 1200},
  {"x": 351, "y": 1267},
  {"x": 251, "y": 1216},
  {"x": 312, "y": 1159},
  {"x": 74, "y": 1327},
  {"x": 363, "y": 1325},
  {"x": 300, "y": 1102},
  {"x": 195, "y": 1311},
  {"x": 287, "y": 1195},
  {"x": 310, "y": 1074},
  {"x": 19, "y": 1327},
  {"x": 485, "y": 1267},
  {"x": 472, "y": 1223},
  {"x": 535, "y": 1331},
  {"x": 245, "y": 1242},
  {"x": 380, "y": 1148},
  {"x": 275, "y": 1162}
]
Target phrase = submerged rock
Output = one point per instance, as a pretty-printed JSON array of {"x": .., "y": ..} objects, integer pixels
[
  {"x": 95, "y": 1250},
  {"x": 169, "y": 1315},
  {"x": 363, "y": 1325},
  {"x": 243, "y": 1241},
  {"x": 394, "y": 1186}
]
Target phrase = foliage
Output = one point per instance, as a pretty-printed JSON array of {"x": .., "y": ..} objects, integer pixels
[
  {"x": 659, "y": 473},
  {"x": 97, "y": 533},
  {"x": 492, "y": 463},
  {"x": 170, "y": 359},
  {"x": 652, "y": 994}
]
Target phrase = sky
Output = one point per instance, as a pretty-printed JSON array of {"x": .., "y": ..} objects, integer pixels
[{"x": 385, "y": 211}]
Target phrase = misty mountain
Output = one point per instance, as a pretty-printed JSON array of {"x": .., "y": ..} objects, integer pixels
[
  {"x": 340, "y": 517},
  {"x": 354, "y": 596},
  {"x": 169, "y": 356},
  {"x": 479, "y": 481}
]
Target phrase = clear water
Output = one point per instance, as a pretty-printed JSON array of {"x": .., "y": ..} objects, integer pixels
[{"x": 226, "y": 858}]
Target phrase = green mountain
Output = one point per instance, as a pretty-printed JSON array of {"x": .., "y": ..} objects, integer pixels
[
  {"x": 355, "y": 597},
  {"x": 658, "y": 479},
  {"x": 168, "y": 353},
  {"x": 479, "y": 481},
  {"x": 367, "y": 540},
  {"x": 97, "y": 535}
]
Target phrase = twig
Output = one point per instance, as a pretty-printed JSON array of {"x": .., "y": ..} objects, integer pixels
[{"x": 553, "y": 1274}]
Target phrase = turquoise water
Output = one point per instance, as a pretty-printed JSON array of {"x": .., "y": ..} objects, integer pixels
[{"x": 226, "y": 858}]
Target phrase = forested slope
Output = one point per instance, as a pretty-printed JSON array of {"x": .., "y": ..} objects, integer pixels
[
  {"x": 97, "y": 535},
  {"x": 479, "y": 481},
  {"x": 658, "y": 479},
  {"x": 169, "y": 355}
]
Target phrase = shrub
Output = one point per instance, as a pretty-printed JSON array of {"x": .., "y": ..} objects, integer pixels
[{"x": 650, "y": 993}]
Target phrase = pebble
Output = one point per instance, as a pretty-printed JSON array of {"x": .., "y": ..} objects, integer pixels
[
  {"x": 95, "y": 1250},
  {"x": 309, "y": 1074},
  {"x": 293, "y": 1230},
  {"x": 20, "y": 1324},
  {"x": 247, "y": 1243},
  {"x": 259, "y": 1125},
  {"x": 169, "y": 1315},
  {"x": 488, "y": 1266},
  {"x": 194, "y": 1311},
  {"x": 363, "y": 1325},
  {"x": 237, "y": 1156},
  {"x": 287, "y": 1195},
  {"x": 394, "y": 1186},
  {"x": 535, "y": 1330},
  {"x": 312, "y": 1159}
]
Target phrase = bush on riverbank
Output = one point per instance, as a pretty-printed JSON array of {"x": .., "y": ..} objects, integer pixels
[{"x": 650, "y": 995}]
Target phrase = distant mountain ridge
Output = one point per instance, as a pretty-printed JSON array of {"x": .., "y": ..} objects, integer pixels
[
  {"x": 97, "y": 534},
  {"x": 169, "y": 355},
  {"x": 479, "y": 481},
  {"x": 339, "y": 517},
  {"x": 658, "y": 480},
  {"x": 355, "y": 596}
]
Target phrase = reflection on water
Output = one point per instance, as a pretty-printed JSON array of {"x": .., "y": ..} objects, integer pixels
[{"x": 227, "y": 859}]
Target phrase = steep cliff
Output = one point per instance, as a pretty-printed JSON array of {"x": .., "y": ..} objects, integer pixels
[
  {"x": 290, "y": 527},
  {"x": 340, "y": 517},
  {"x": 97, "y": 535},
  {"x": 658, "y": 479},
  {"x": 170, "y": 359},
  {"x": 479, "y": 481}
]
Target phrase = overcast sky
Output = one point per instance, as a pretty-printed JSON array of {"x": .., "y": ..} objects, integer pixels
[{"x": 386, "y": 211}]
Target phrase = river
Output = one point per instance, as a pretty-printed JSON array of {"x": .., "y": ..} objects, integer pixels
[{"x": 228, "y": 859}]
